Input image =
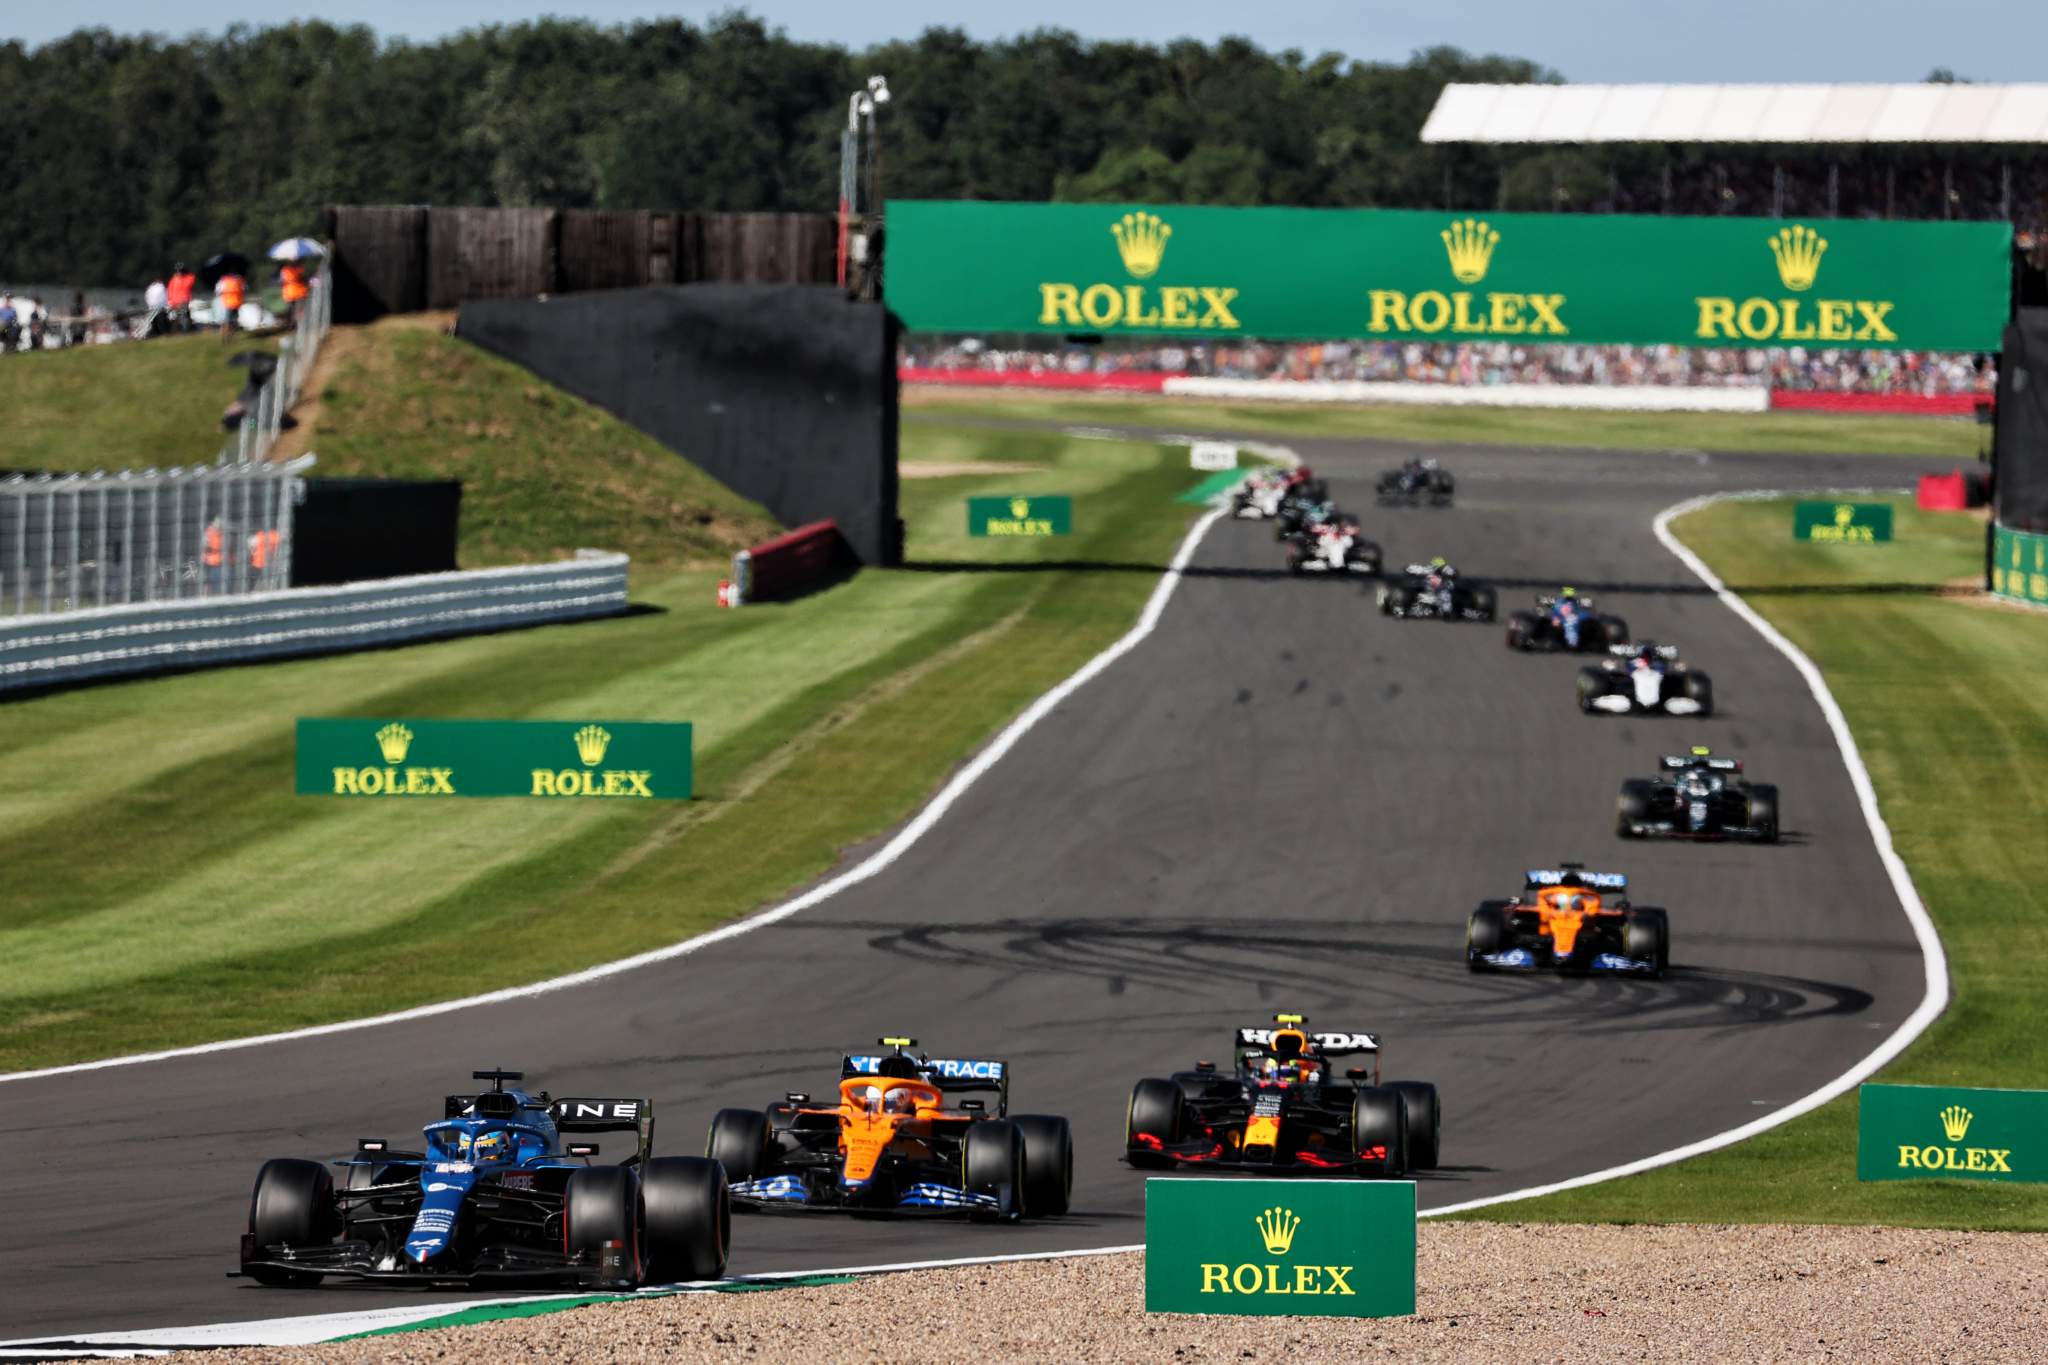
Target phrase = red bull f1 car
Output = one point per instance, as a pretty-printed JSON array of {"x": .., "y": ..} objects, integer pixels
[
  {"x": 497, "y": 1194},
  {"x": 900, "y": 1136},
  {"x": 1569, "y": 920},
  {"x": 1697, "y": 796},
  {"x": 1282, "y": 1108}
]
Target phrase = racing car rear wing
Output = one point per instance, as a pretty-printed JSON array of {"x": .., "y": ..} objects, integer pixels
[
  {"x": 1667, "y": 653},
  {"x": 953, "y": 1075},
  {"x": 608, "y": 1116},
  {"x": 1679, "y": 763},
  {"x": 1329, "y": 1044},
  {"x": 1577, "y": 876}
]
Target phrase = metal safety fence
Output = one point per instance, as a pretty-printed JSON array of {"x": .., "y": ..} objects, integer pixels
[
  {"x": 259, "y": 427},
  {"x": 110, "y": 539}
]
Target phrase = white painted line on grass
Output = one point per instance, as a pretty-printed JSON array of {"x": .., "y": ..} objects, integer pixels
[{"x": 877, "y": 862}]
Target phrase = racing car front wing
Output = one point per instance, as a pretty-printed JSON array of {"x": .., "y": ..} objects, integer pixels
[
  {"x": 792, "y": 1192},
  {"x": 1526, "y": 960},
  {"x": 357, "y": 1261},
  {"x": 1214, "y": 1156}
]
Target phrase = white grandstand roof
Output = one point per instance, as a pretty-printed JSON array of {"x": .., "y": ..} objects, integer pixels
[{"x": 1740, "y": 113}]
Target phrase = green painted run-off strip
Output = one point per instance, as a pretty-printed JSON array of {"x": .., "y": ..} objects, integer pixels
[{"x": 1222, "y": 481}]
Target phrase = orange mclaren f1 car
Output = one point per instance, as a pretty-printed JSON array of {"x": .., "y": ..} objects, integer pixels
[
  {"x": 895, "y": 1139},
  {"x": 1282, "y": 1110},
  {"x": 1571, "y": 920}
]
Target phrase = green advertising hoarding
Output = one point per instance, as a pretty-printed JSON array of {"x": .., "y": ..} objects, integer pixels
[
  {"x": 2019, "y": 565},
  {"x": 1020, "y": 516},
  {"x": 1300, "y": 1248},
  {"x": 611, "y": 759},
  {"x": 1926, "y": 1132},
  {"x": 1212, "y": 274},
  {"x": 1842, "y": 523}
]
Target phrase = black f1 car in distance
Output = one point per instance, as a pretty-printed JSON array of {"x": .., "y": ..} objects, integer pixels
[
  {"x": 1645, "y": 678},
  {"x": 1565, "y": 621},
  {"x": 496, "y": 1195},
  {"x": 1697, "y": 796},
  {"x": 1416, "y": 483},
  {"x": 1436, "y": 590},
  {"x": 1280, "y": 1110}
]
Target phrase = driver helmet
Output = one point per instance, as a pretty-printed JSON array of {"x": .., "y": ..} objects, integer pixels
[
  {"x": 1574, "y": 902},
  {"x": 492, "y": 1147},
  {"x": 870, "y": 1098},
  {"x": 1568, "y": 595},
  {"x": 1429, "y": 463},
  {"x": 900, "y": 1099}
]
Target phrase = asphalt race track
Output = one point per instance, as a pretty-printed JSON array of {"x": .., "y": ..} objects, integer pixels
[{"x": 1281, "y": 800}]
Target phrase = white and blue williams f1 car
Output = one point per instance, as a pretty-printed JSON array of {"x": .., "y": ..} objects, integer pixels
[
  {"x": 495, "y": 1195},
  {"x": 1645, "y": 678}
]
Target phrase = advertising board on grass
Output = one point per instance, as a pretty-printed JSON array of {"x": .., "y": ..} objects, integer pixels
[
  {"x": 1924, "y": 1132},
  {"x": 1842, "y": 523},
  {"x": 613, "y": 759},
  {"x": 2019, "y": 565},
  {"x": 1020, "y": 516},
  {"x": 1305, "y": 1248}
]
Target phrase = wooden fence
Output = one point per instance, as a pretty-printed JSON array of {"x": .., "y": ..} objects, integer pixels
[{"x": 401, "y": 259}]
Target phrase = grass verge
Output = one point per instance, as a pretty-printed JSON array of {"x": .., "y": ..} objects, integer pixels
[
  {"x": 1944, "y": 694},
  {"x": 127, "y": 406},
  {"x": 212, "y": 903},
  {"x": 1774, "y": 432}
]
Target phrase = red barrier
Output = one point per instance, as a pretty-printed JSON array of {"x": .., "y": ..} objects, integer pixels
[
  {"x": 1909, "y": 404},
  {"x": 1116, "y": 381},
  {"x": 792, "y": 563},
  {"x": 1943, "y": 492}
]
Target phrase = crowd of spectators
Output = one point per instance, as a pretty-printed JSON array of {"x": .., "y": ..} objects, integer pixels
[{"x": 1793, "y": 367}]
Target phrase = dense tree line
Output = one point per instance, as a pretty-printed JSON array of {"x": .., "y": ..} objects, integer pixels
[{"x": 118, "y": 153}]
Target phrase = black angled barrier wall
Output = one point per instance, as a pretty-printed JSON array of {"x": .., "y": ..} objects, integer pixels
[
  {"x": 354, "y": 530},
  {"x": 2021, "y": 472},
  {"x": 786, "y": 394}
]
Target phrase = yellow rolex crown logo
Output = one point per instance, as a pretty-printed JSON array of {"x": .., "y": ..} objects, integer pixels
[
  {"x": 394, "y": 739},
  {"x": 591, "y": 742},
  {"x": 1020, "y": 508},
  {"x": 1798, "y": 249},
  {"x": 1278, "y": 1227},
  {"x": 1141, "y": 241},
  {"x": 1844, "y": 514},
  {"x": 1955, "y": 1121},
  {"x": 1470, "y": 246}
]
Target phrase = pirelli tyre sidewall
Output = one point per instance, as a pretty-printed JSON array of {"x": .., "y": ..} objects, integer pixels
[
  {"x": 1379, "y": 1119},
  {"x": 1423, "y": 1112},
  {"x": 1632, "y": 806},
  {"x": 992, "y": 1156},
  {"x": 738, "y": 1141},
  {"x": 601, "y": 1204},
  {"x": 1485, "y": 932},
  {"x": 1646, "y": 936},
  {"x": 292, "y": 1205},
  {"x": 686, "y": 1205},
  {"x": 1048, "y": 1164},
  {"x": 1157, "y": 1110},
  {"x": 1763, "y": 812}
]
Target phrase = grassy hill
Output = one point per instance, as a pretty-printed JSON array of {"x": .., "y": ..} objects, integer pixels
[{"x": 128, "y": 406}]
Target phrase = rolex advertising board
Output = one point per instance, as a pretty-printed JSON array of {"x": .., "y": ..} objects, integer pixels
[
  {"x": 1020, "y": 516},
  {"x": 2019, "y": 564},
  {"x": 553, "y": 759},
  {"x": 1299, "y": 1248},
  {"x": 1928, "y": 1132},
  {"x": 1842, "y": 523},
  {"x": 1212, "y": 274}
]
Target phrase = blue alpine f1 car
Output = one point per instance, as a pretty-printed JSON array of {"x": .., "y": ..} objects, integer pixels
[{"x": 497, "y": 1194}]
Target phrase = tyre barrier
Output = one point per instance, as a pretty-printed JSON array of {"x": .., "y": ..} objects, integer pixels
[{"x": 99, "y": 642}]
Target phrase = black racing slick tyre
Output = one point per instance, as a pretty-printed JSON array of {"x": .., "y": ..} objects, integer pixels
[
  {"x": 1155, "y": 1112},
  {"x": 1048, "y": 1164},
  {"x": 1614, "y": 631},
  {"x": 601, "y": 1223},
  {"x": 1632, "y": 806},
  {"x": 1424, "y": 1116},
  {"x": 1700, "y": 688},
  {"x": 1379, "y": 1120},
  {"x": 992, "y": 1156},
  {"x": 1485, "y": 932},
  {"x": 739, "y": 1142},
  {"x": 687, "y": 1218},
  {"x": 1763, "y": 812},
  {"x": 293, "y": 1205},
  {"x": 1484, "y": 603},
  {"x": 1522, "y": 630},
  {"x": 1646, "y": 936},
  {"x": 1592, "y": 683}
]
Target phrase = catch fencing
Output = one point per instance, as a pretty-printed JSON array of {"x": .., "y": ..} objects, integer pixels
[
  {"x": 260, "y": 424},
  {"x": 80, "y": 541}
]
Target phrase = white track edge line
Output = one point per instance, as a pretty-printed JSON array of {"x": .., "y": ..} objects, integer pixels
[
  {"x": 875, "y": 863},
  {"x": 1933, "y": 959}
]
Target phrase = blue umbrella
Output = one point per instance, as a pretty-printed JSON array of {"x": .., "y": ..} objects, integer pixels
[{"x": 297, "y": 249}]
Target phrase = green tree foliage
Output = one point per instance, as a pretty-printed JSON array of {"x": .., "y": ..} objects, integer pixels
[{"x": 121, "y": 154}]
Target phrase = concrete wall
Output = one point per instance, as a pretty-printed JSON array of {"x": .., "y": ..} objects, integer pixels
[{"x": 784, "y": 393}]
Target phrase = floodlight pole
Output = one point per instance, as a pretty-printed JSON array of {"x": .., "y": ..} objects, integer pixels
[
  {"x": 848, "y": 141},
  {"x": 862, "y": 103}
]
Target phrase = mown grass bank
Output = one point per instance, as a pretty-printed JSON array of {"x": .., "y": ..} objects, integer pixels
[
  {"x": 125, "y": 406},
  {"x": 1782, "y": 432},
  {"x": 167, "y": 888},
  {"x": 1944, "y": 693}
]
